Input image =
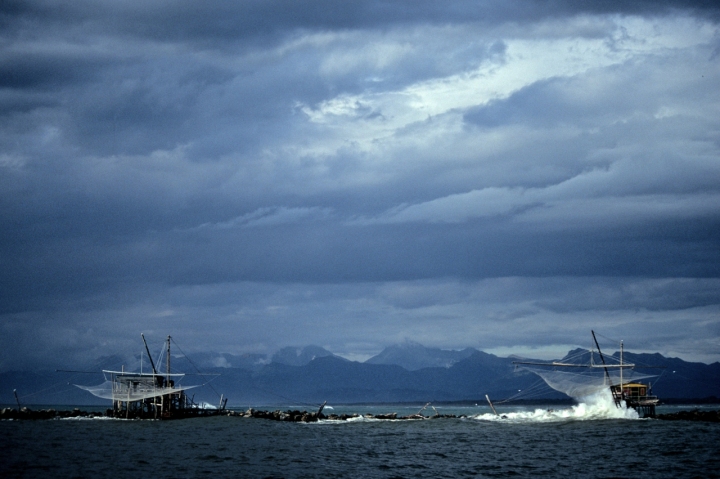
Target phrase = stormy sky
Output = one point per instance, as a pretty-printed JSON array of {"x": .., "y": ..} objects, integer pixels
[{"x": 504, "y": 175}]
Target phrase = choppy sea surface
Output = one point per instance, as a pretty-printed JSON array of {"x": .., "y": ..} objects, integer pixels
[{"x": 588, "y": 440}]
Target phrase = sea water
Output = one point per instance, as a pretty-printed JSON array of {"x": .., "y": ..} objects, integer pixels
[{"x": 587, "y": 440}]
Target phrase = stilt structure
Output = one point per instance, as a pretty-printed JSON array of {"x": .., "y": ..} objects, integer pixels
[
  {"x": 569, "y": 378},
  {"x": 150, "y": 395}
]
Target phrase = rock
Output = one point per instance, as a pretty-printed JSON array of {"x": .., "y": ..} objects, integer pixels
[
  {"x": 694, "y": 415},
  {"x": 386, "y": 416}
]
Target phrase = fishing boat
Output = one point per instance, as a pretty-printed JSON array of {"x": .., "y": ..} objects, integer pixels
[
  {"x": 155, "y": 395},
  {"x": 584, "y": 379}
]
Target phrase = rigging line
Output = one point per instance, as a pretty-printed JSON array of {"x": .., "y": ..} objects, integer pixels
[
  {"x": 211, "y": 380},
  {"x": 45, "y": 390},
  {"x": 193, "y": 365},
  {"x": 641, "y": 365},
  {"x": 283, "y": 397},
  {"x": 185, "y": 355},
  {"x": 526, "y": 392},
  {"x": 161, "y": 355},
  {"x": 704, "y": 380},
  {"x": 579, "y": 354},
  {"x": 538, "y": 394},
  {"x": 53, "y": 385},
  {"x": 540, "y": 384},
  {"x": 510, "y": 375},
  {"x": 616, "y": 341},
  {"x": 659, "y": 377}
]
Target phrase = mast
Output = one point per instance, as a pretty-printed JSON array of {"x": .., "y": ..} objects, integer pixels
[
  {"x": 617, "y": 399},
  {"x": 622, "y": 390},
  {"x": 607, "y": 374},
  {"x": 148, "y": 353},
  {"x": 167, "y": 380}
]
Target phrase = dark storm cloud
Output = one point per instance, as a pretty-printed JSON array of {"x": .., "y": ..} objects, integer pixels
[
  {"x": 40, "y": 71},
  {"x": 328, "y": 253},
  {"x": 298, "y": 171},
  {"x": 181, "y": 19}
]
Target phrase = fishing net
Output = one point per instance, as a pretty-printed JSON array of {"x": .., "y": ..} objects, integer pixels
[
  {"x": 122, "y": 391},
  {"x": 583, "y": 383}
]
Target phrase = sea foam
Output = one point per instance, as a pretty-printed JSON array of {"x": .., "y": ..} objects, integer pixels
[{"x": 595, "y": 407}]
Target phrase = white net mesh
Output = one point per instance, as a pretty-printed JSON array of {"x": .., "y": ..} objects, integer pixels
[
  {"x": 584, "y": 383},
  {"x": 129, "y": 391}
]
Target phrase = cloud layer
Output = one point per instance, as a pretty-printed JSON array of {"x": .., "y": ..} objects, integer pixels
[{"x": 503, "y": 175}]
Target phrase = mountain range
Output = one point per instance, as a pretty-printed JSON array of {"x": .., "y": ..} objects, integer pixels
[{"x": 407, "y": 372}]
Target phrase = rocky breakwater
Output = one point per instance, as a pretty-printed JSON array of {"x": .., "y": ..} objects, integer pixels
[
  {"x": 304, "y": 416},
  {"x": 290, "y": 416},
  {"x": 27, "y": 413},
  {"x": 694, "y": 415}
]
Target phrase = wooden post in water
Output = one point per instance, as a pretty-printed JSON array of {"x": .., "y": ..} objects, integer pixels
[
  {"x": 167, "y": 378},
  {"x": 622, "y": 388},
  {"x": 491, "y": 405}
]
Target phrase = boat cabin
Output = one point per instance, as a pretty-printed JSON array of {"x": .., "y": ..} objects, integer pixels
[
  {"x": 634, "y": 390},
  {"x": 638, "y": 396}
]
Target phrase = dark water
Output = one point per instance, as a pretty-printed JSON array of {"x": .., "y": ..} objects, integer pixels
[{"x": 524, "y": 445}]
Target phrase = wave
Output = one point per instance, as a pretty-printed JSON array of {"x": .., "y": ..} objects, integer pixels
[
  {"x": 91, "y": 418},
  {"x": 595, "y": 407}
]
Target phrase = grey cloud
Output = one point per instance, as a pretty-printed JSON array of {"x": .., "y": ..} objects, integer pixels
[
  {"x": 220, "y": 20},
  {"x": 334, "y": 254},
  {"x": 622, "y": 93},
  {"x": 440, "y": 313},
  {"x": 325, "y": 170},
  {"x": 640, "y": 294}
]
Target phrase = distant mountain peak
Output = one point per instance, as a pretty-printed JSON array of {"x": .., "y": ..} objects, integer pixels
[
  {"x": 295, "y": 356},
  {"x": 412, "y": 356}
]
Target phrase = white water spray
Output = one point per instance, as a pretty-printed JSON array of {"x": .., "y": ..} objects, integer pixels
[{"x": 597, "y": 406}]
